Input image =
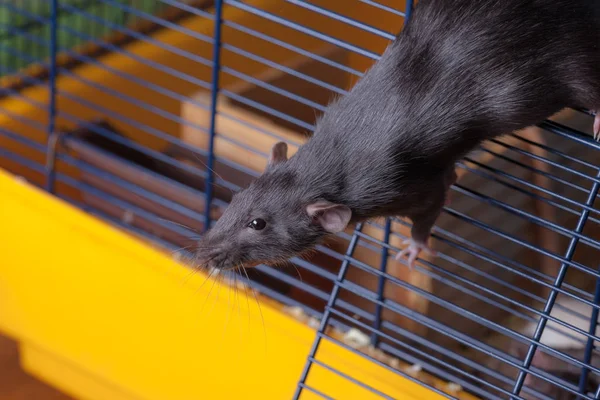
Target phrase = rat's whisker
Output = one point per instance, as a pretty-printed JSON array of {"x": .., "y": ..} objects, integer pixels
[
  {"x": 220, "y": 284},
  {"x": 246, "y": 293},
  {"x": 204, "y": 264},
  {"x": 179, "y": 224},
  {"x": 195, "y": 269},
  {"x": 209, "y": 293},
  {"x": 212, "y": 170},
  {"x": 230, "y": 306},
  {"x": 285, "y": 262},
  {"x": 187, "y": 277},
  {"x": 306, "y": 254},
  {"x": 213, "y": 272},
  {"x": 199, "y": 247},
  {"x": 184, "y": 248},
  {"x": 237, "y": 301},
  {"x": 259, "y": 309},
  {"x": 297, "y": 270}
]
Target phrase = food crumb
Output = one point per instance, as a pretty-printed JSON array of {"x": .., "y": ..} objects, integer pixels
[
  {"x": 454, "y": 387},
  {"x": 314, "y": 323},
  {"x": 295, "y": 311},
  {"x": 356, "y": 338},
  {"x": 415, "y": 368},
  {"x": 177, "y": 256},
  {"x": 127, "y": 217}
]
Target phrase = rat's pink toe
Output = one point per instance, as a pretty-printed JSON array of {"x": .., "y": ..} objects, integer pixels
[
  {"x": 412, "y": 258},
  {"x": 597, "y": 126},
  {"x": 412, "y": 251},
  {"x": 411, "y": 254},
  {"x": 402, "y": 254}
]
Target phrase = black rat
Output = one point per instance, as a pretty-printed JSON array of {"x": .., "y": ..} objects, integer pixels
[{"x": 461, "y": 72}]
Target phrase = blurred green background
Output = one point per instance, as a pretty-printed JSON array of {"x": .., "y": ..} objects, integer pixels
[{"x": 25, "y": 26}]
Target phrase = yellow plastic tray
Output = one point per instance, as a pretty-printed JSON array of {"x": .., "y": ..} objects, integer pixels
[{"x": 102, "y": 315}]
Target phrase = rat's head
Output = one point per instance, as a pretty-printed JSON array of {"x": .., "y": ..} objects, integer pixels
[{"x": 275, "y": 218}]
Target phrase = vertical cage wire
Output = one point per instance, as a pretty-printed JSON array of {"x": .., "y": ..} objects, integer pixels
[
  {"x": 51, "y": 134},
  {"x": 214, "y": 91}
]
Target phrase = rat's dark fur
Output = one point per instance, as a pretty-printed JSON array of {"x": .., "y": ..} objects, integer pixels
[{"x": 461, "y": 72}]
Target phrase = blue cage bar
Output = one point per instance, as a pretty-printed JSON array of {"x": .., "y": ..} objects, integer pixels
[{"x": 517, "y": 249}]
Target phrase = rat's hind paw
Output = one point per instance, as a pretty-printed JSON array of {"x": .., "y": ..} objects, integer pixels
[
  {"x": 597, "y": 125},
  {"x": 413, "y": 250}
]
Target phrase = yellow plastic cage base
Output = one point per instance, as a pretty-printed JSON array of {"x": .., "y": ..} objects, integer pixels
[{"x": 103, "y": 315}]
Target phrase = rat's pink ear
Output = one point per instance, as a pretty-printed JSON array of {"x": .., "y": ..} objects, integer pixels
[
  {"x": 278, "y": 154},
  {"x": 333, "y": 217}
]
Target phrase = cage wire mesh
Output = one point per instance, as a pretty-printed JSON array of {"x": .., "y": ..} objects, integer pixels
[{"x": 155, "y": 112}]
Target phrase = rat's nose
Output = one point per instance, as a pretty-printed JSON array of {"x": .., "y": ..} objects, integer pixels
[
  {"x": 211, "y": 253},
  {"x": 210, "y": 258},
  {"x": 205, "y": 256}
]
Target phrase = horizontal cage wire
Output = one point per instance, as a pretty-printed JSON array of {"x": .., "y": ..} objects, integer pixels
[{"x": 155, "y": 112}]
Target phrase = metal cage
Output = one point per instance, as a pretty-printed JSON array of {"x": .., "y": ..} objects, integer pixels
[{"x": 154, "y": 111}]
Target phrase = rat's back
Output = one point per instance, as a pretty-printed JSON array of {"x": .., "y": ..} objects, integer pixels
[
  {"x": 466, "y": 70},
  {"x": 461, "y": 72}
]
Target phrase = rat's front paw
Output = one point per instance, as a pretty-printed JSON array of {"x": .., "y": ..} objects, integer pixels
[{"x": 413, "y": 250}]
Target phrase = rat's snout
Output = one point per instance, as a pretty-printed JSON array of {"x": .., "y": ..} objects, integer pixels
[
  {"x": 206, "y": 252},
  {"x": 207, "y": 256},
  {"x": 206, "y": 259},
  {"x": 211, "y": 254}
]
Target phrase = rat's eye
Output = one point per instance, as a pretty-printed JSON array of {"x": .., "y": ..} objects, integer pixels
[{"x": 257, "y": 224}]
